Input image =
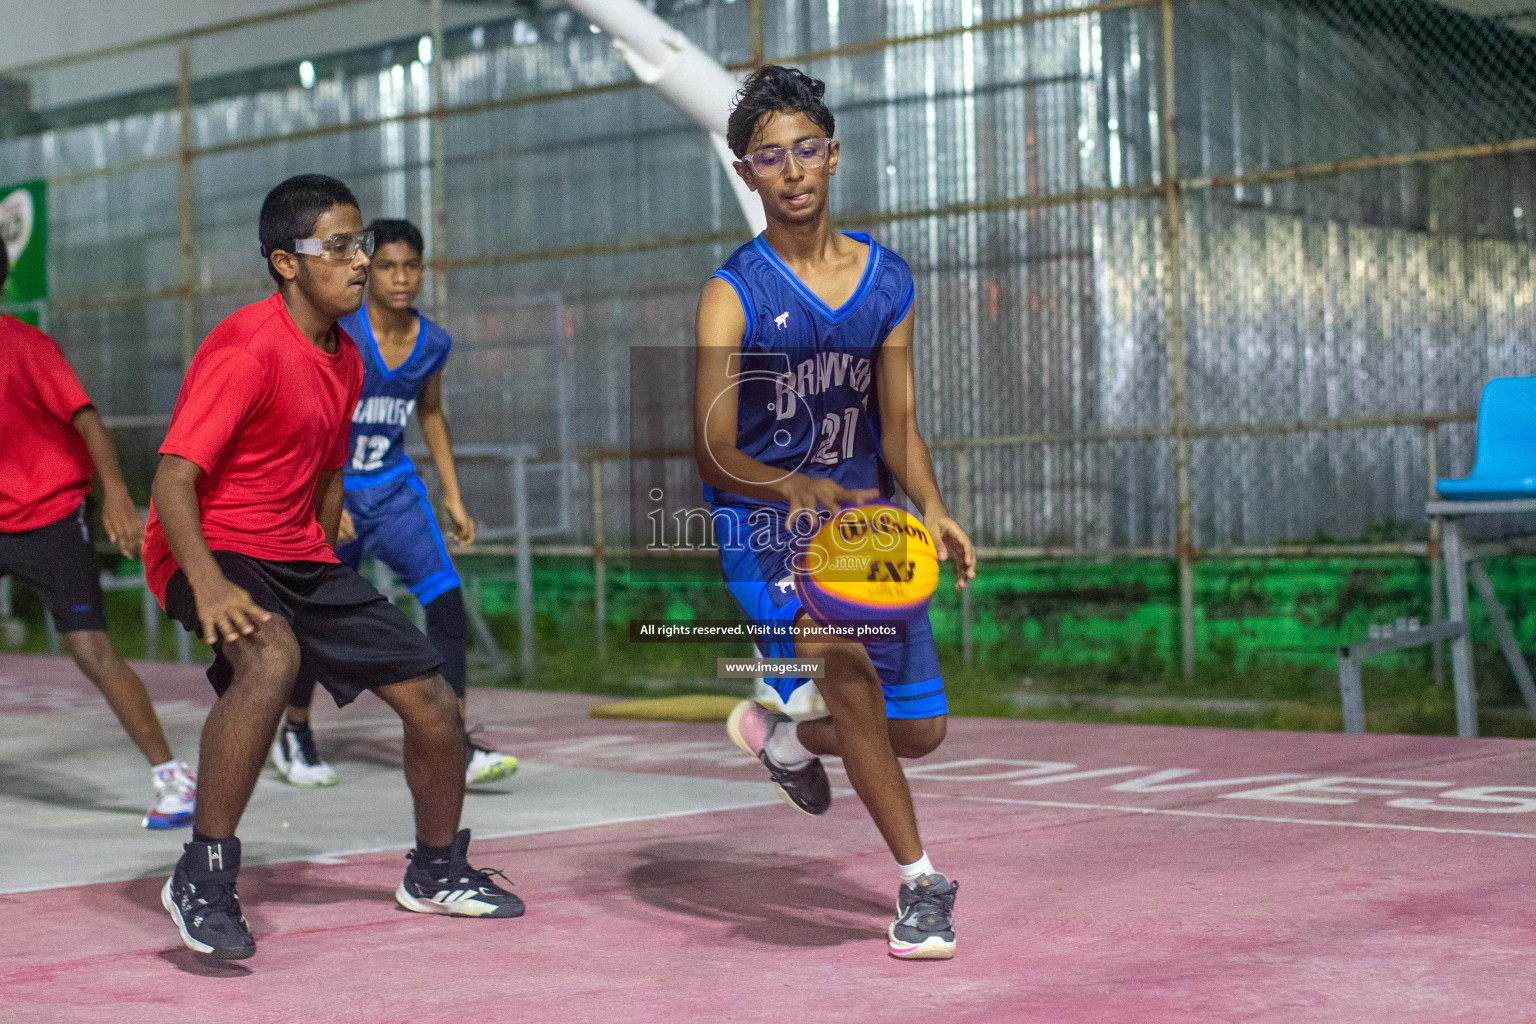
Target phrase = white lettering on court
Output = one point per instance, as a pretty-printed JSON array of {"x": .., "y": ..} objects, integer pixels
[
  {"x": 1285, "y": 787},
  {"x": 1490, "y": 794},
  {"x": 1021, "y": 769},
  {"x": 1343, "y": 788},
  {"x": 1096, "y": 773},
  {"x": 589, "y": 744},
  {"x": 1160, "y": 782}
]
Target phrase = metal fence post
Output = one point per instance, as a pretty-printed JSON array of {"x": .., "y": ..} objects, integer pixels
[
  {"x": 1461, "y": 647},
  {"x": 599, "y": 561},
  {"x": 755, "y": 33},
  {"x": 183, "y": 645},
  {"x": 438, "y": 198},
  {"x": 1436, "y": 569},
  {"x": 184, "y": 197},
  {"x": 1350, "y": 692},
  {"x": 15, "y": 633},
  {"x": 151, "y": 612},
  {"x": 524, "y": 565},
  {"x": 1173, "y": 254},
  {"x": 963, "y": 494}
]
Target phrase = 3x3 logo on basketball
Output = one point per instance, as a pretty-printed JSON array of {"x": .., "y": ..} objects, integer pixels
[{"x": 891, "y": 572}]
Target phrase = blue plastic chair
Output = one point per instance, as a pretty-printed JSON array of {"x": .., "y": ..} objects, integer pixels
[{"x": 1505, "y": 468}]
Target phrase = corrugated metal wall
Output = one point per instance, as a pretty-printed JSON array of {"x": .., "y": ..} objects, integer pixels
[{"x": 1015, "y": 166}]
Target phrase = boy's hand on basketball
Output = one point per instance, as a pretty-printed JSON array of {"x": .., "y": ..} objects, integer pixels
[
  {"x": 806, "y": 494},
  {"x": 952, "y": 541},
  {"x": 345, "y": 530},
  {"x": 463, "y": 527},
  {"x": 121, "y": 519},
  {"x": 227, "y": 611}
]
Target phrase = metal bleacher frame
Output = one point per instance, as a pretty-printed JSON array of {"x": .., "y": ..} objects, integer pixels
[{"x": 1488, "y": 492}]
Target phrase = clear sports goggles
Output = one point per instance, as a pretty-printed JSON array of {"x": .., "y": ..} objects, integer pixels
[
  {"x": 769, "y": 161},
  {"x": 335, "y": 247}
]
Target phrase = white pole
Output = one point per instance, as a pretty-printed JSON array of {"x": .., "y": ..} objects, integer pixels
[{"x": 667, "y": 59}]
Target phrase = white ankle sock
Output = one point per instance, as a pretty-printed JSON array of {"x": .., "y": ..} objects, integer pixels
[
  {"x": 785, "y": 748},
  {"x": 917, "y": 869},
  {"x": 172, "y": 763}
]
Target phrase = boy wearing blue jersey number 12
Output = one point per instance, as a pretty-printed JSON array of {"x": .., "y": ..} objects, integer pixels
[
  {"x": 386, "y": 512},
  {"x": 804, "y": 401}
]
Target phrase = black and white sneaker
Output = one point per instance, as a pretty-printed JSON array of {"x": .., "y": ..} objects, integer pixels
[
  {"x": 924, "y": 928},
  {"x": 200, "y": 897},
  {"x": 804, "y": 787},
  {"x": 296, "y": 759},
  {"x": 461, "y": 891}
]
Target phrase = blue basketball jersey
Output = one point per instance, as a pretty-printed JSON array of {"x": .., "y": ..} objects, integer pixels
[
  {"x": 806, "y": 399},
  {"x": 377, "y": 454}
]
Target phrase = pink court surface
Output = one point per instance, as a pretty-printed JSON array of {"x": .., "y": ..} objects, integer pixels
[{"x": 1109, "y": 873}]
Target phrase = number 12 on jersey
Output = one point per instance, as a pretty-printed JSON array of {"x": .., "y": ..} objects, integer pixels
[{"x": 369, "y": 453}]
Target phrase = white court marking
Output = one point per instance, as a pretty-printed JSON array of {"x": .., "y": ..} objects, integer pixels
[
  {"x": 1233, "y": 817},
  {"x": 340, "y": 856},
  {"x": 72, "y": 821}
]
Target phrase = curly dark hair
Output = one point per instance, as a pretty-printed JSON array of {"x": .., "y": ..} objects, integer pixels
[{"x": 772, "y": 89}]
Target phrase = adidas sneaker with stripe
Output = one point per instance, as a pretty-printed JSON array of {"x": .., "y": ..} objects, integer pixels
[{"x": 460, "y": 891}]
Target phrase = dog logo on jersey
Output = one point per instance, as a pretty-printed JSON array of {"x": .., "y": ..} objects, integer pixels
[{"x": 782, "y": 319}]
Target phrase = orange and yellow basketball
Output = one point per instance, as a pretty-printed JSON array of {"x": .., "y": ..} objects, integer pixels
[{"x": 872, "y": 561}]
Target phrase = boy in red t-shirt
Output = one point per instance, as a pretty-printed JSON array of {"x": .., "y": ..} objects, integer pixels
[
  {"x": 247, "y": 500},
  {"x": 51, "y": 439}
]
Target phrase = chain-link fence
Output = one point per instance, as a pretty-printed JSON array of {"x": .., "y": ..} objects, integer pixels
[{"x": 1193, "y": 276}]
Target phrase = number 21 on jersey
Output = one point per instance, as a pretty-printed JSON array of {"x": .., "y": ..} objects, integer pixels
[{"x": 830, "y": 452}]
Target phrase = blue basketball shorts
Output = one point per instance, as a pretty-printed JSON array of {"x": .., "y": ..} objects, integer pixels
[
  {"x": 395, "y": 524},
  {"x": 759, "y": 577}
]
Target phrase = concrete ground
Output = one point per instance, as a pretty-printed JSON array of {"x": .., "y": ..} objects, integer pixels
[{"x": 1109, "y": 873}]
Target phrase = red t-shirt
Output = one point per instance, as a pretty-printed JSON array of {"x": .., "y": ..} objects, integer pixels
[
  {"x": 261, "y": 412},
  {"x": 45, "y": 468}
]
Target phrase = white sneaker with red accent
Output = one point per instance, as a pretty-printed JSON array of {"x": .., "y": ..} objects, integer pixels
[{"x": 175, "y": 797}]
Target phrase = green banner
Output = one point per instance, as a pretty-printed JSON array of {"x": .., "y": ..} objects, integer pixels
[{"x": 24, "y": 231}]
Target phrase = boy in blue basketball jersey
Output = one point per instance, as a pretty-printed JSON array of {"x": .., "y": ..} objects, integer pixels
[
  {"x": 386, "y": 510},
  {"x": 804, "y": 401}
]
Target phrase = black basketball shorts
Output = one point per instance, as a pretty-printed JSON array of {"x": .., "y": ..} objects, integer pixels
[
  {"x": 60, "y": 564},
  {"x": 350, "y": 637}
]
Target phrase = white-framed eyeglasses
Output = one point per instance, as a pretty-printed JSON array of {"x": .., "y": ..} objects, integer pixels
[
  {"x": 342, "y": 246},
  {"x": 769, "y": 161}
]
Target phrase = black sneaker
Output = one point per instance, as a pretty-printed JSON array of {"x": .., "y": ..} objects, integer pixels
[
  {"x": 200, "y": 897},
  {"x": 804, "y": 788},
  {"x": 462, "y": 892},
  {"x": 924, "y": 928}
]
